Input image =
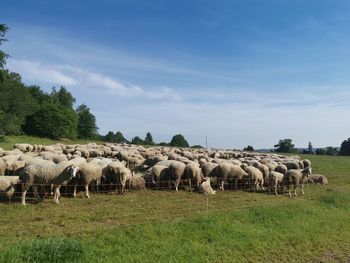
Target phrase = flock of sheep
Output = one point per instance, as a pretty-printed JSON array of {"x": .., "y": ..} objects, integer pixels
[{"x": 120, "y": 166}]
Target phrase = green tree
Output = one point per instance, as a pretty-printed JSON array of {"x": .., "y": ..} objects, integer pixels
[
  {"x": 310, "y": 149},
  {"x": 62, "y": 97},
  {"x": 3, "y": 55},
  {"x": 285, "y": 146},
  {"x": 87, "y": 128},
  {"x": 52, "y": 121},
  {"x": 109, "y": 136},
  {"x": 179, "y": 140},
  {"x": 119, "y": 137},
  {"x": 345, "y": 148},
  {"x": 249, "y": 148},
  {"x": 137, "y": 140},
  {"x": 149, "y": 139},
  {"x": 320, "y": 151},
  {"x": 331, "y": 150}
]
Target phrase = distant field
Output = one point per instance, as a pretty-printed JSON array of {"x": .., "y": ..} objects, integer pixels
[{"x": 164, "y": 226}]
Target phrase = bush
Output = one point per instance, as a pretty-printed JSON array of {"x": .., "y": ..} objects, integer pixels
[
  {"x": 2, "y": 138},
  {"x": 345, "y": 148}
]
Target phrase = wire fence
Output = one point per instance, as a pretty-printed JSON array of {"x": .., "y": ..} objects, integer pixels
[{"x": 108, "y": 208}]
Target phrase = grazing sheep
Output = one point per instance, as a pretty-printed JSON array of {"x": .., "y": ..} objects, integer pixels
[
  {"x": 229, "y": 171},
  {"x": 138, "y": 182},
  {"x": 23, "y": 147},
  {"x": 17, "y": 167},
  {"x": 307, "y": 163},
  {"x": 56, "y": 174},
  {"x": 2, "y": 167},
  {"x": 255, "y": 178},
  {"x": 208, "y": 169},
  {"x": 193, "y": 173},
  {"x": 281, "y": 168},
  {"x": 276, "y": 180},
  {"x": 8, "y": 186},
  {"x": 124, "y": 178},
  {"x": 206, "y": 188},
  {"x": 174, "y": 172},
  {"x": 156, "y": 175},
  {"x": 292, "y": 165},
  {"x": 297, "y": 178},
  {"x": 87, "y": 174},
  {"x": 317, "y": 179}
]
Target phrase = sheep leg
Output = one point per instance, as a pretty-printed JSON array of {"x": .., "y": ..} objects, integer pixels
[
  {"x": 189, "y": 183},
  {"x": 295, "y": 190},
  {"x": 290, "y": 194},
  {"x": 75, "y": 191},
  {"x": 51, "y": 187},
  {"x": 87, "y": 191},
  {"x": 177, "y": 182},
  {"x": 275, "y": 188},
  {"x": 57, "y": 194},
  {"x": 24, "y": 192},
  {"x": 36, "y": 194},
  {"x": 302, "y": 189},
  {"x": 222, "y": 185}
]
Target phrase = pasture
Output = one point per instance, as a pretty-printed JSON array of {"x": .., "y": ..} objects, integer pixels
[{"x": 165, "y": 226}]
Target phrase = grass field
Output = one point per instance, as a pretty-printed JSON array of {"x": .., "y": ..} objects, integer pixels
[{"x": 163, "y": 226}]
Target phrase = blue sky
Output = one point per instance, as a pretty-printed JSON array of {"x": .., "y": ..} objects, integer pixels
[{"x": 239, "y": 72}]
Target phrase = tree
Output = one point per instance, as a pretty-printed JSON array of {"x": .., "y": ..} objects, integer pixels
[
  {"x": 3, "y": 56},
  {"x": 285, "y": 146},
  {"x": 331, "y": 150},
  {"x": 321, "y": 151},
  {"x": 87, "y": 128},
  {"x": 137, "y": 140},
  {"x": 109, "y": 136},
  {"x": 249, "y": 148},
  {"x": 62, "y": 97},
  {"x": 149, "y": 139},
  {"x": 52, "y": 121},
  {"x": 179, "y": 140},
  {"x": 345, "y": 148},
  {"x": 310, "y": 149},
  {"x": 118, "y": 137}
]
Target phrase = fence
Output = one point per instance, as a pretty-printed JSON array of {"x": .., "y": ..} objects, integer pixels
[{"x": 106, "y": 209}]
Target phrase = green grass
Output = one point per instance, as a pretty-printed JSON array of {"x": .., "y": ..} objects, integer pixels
[
  {"x": 11, "y": 140},
  {"x": 164, "y": 226}
]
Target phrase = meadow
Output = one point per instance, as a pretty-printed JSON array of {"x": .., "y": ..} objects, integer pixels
[{"x": 164, "y": 226}]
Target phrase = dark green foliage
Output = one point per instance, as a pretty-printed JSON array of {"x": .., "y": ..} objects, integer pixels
[
  {"x": 3, "y": 56},
  {"x": 345, "y": 148},
  {"x": 117, "y": 137},
  {"x": 16, "y": 103},
  {"x": 137, "y": 140},
  {"x": 62, "y": 97},
  {"x": 285, "y": 146},
  {"x": 197, "y": 146},
  {"x": 321, "y": 151},
  {"x": 52, "y": 121},
  {"x": 53, "y": 250},
  {"x": 248, "y": 148},
  {"x": 163, "y": 144},
  {"x": 87, "y": 128},
  {"x": 109, "y": 137},
  {"x": 179, "y": 140},
  {"x": 2, "y": 138},
  {"x": 149, "y": 139}
]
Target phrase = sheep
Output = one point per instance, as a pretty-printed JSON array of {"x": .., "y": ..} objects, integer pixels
[
  {"x": 255, "y": 177},
  {"x": 307, "y": 163},
  {"x": 2, "y": 167},
  {"x": 17, "y": 167},
  {"x": 23, "y": 147},
  {"x": 174, "y": 172},
  {"x": 193, "y": 173},
  {"x": 124, "y": 178},
  {"x": 226, "y": 171},
  {"x": 206, "y": 188},
  {"x": 8, "y": 186},
  {"x": 281, "y": 168},
  {"x": 56, "y": 174},
  {"x": 156, "y": 174},
  {"x": 138, "y": 182},
  {"x": 296, "y": 177},
  {"x": 87, "y": 174},
  {"x": 209, "y": 169},
  {"x": 276, "y": 179},
  {"x": 317, "y": 179}
]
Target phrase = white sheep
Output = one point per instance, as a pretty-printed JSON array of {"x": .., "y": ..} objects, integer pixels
[
  {"x": 43, "y": 174},
  {"x": 8, "y": 185},
  {"x": 206, "y": 188}
]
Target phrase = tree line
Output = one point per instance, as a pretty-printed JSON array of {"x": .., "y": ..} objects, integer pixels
[{"x": 287, "y": 146}]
